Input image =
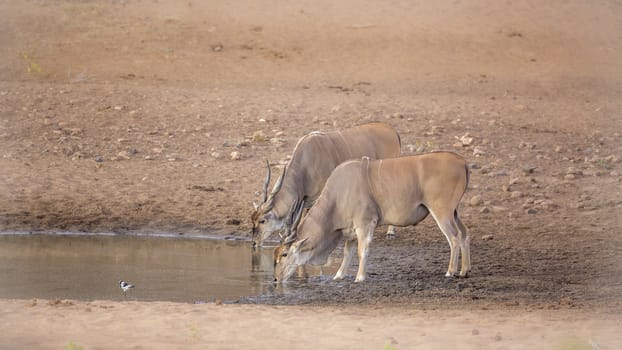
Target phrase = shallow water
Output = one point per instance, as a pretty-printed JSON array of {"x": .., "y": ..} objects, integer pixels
[{"x": 89, "y": 267}]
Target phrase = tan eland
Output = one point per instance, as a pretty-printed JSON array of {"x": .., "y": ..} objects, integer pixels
[
  {"x": 313, "y": 159},
  {"x": 361, "y": 194}
]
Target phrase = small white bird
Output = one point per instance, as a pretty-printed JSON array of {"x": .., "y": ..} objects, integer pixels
[{"x": 125, "y": 286}]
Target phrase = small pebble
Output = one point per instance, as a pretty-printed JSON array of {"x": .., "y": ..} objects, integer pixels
[{"x": 476, "y": 200}]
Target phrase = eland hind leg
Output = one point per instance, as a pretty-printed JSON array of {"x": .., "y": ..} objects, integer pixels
[
  {"x": 449, "y": 228},
  {"x": 465, "y": 246},
  {"x": 391, "y": 231}
]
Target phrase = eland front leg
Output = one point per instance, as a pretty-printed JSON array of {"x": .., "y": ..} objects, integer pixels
[
  {"x": 348, "y": 251},
  {"x": 364, "y": 236}
]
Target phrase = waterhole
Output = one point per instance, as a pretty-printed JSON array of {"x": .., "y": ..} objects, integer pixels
[{"x": 89, "y": 267}]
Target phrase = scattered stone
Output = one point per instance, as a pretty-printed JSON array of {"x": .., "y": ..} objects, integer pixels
[
  {"x": 513, "y": 181},
  {"x": 235, "y": 155},
  {"x": 76, "y": 155},
  {"x": 206, "y": 188},
  {"x": 516, "y": 194},
  {"x": 574, "y": 171},
  {"x": 124, "y": 155},
  {"x": 173, "y": 157},
  {"x": 528, "y": 169},
  {"x": 474, "y": 166},
  {"x": 498, "y": 209},
  {"x": 476, "y": 200},
  {"x": 479, "y": 151},
  {"x": 75, "y": 131},
  {"x": 262, "y": 120},
  {"x": 216, "y": 155},
  {"x": 498, "y": 337},
  {"x": 475, "y": 331},
  {"x": 118, "y": 108},
  {"x": 259, "y": 136},
  {"x": 276, "y": 141},
  {"x": 233, "y": 222},
  {"x": 465, "y": 140},
  {"x": 527, "y": 145},
  {"x": 548, "y": 204},
  {"x": 569, "y": 177},
  {"x": 149, "y": 158},
  {"x": 58, "y": 302},
  {"x": 505, "y": 188},
  {"x": 99, "y": 159},
  {"x": 484, "y": 210},
  {"x": 242, "y": 143},
  {"x": 531, "y": 211},
  {"x": 596, "y": 172},
  {"x": 558, "y": 149},
  {"x": 438, "y": 129},
  {"x": 614, "y": 173},
  {"x": 486, "y": 169},
  {"x": 612, "y": 159}
]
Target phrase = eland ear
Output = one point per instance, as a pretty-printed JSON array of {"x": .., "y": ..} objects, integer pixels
[
  {"x": 288, "y": 239},
  {"x": 298, "y": 244}
]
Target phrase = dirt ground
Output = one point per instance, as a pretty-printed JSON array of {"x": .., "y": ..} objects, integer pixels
[
  {"x": 50, "y": 324},
  {"x": 153, "y": 116}
]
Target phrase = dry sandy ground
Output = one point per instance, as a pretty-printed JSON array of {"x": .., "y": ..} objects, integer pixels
[
  {"x": 123, "y": 115},
  {"x": 43, "y": 324}
]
